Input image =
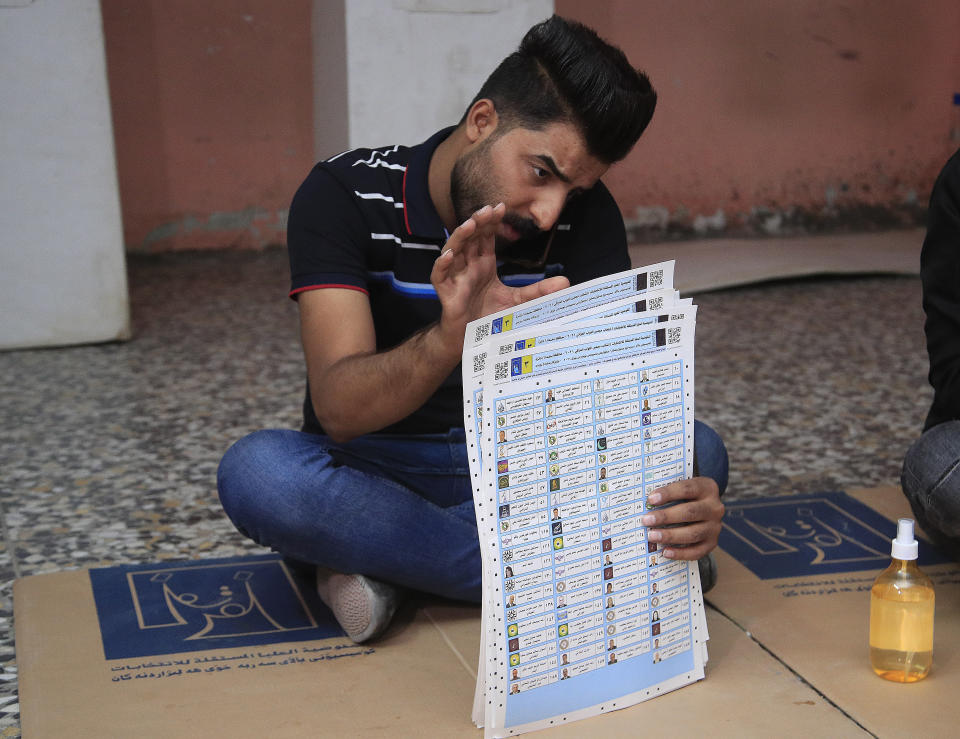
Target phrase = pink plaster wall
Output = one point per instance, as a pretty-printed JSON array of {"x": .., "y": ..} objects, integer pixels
[
  {"x": 775, "y": 116},
  {"x": 212, "y": 112},
  {"x": 786, "y": 116}
]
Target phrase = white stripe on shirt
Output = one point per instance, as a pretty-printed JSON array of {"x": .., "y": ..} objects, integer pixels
[
  {"x": 375, "y": 161},
  {"x": 404, "y": 244},
  {"x": 377, "y": 196}
]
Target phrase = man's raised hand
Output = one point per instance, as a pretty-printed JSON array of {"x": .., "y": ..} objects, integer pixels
[{"x": 465, "y": 275}]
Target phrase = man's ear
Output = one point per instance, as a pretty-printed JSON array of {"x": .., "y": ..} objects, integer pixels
[{"x": 481, "y": 120}]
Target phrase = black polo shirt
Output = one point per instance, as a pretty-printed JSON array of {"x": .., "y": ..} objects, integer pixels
[{"x": 363, "y": 220}]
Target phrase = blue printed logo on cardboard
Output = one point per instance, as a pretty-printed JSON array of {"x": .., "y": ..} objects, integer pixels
[
  {"x": 496, "y": 326},
  {"x": 800, "y": 536},
  {"x": 516, "y": 366},
  {"x": 147, "y": 610}
]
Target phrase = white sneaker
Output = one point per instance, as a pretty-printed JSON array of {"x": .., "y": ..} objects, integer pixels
[{"x": 362, "y": 606}]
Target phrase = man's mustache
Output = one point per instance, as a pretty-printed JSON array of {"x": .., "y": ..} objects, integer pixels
[{"x": 523, "y": 226}]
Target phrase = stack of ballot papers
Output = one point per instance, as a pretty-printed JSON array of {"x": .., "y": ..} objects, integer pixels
[{"x": 578, "y": 405}]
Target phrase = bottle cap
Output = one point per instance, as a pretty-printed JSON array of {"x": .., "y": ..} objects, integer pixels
[{"x": 905, "y": 545}]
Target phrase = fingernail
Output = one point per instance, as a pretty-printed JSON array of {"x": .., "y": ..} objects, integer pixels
[
  {"x": 653, "y": 498},
  {"x": 648, "y": 519},
  {"x": 668, "y": 553},
  {"x": 654, "y": 536}
]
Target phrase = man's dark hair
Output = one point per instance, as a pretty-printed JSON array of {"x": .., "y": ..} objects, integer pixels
[{"x": 563, "y": 71}]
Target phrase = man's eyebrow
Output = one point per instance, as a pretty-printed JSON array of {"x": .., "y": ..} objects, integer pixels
[{"x": 552, "y": 166}]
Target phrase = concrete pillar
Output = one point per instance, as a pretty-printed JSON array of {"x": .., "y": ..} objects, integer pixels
[
  {"x": 409, "y": 67},
  {"x": 62, "y": 269}
]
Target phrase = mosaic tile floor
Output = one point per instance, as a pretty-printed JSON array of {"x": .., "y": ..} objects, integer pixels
[{"x": 109, "y": 453}]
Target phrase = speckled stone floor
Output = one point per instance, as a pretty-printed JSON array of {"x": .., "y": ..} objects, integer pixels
[{"x": 108, "y": 453}]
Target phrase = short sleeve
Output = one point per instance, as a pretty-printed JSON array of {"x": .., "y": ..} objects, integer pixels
[{"x": 326, "y": 236}]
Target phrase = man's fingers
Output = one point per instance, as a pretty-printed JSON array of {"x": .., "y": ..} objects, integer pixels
[
  {"x": 691, "y": 489},
  {"x": 476, "y": 235},
  {"x": 490, "y": 215},
  {"x": 686, "y": 542},
  {"x": 686, "y": 521},
  {"x": 462, "y": 234},
  {"x": 696, "y": 499},
  {"x": 684, "y": 513},
  {"x": 690, "y": 553},
  {"x": 442, "y": 266},
  {"x": 472, "y": 244},
  {"x": 488, "y": 221},
  {"x": 682, "y": 535},
  {"x": 543, "y": 287}
]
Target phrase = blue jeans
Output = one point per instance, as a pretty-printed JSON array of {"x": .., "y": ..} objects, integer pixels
[
  {"x": 397, "y": 508},
  {"x": 931, "y": 482}
]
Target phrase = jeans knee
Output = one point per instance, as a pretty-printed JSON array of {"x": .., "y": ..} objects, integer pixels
[
  {"x": 711, "y": 454},
  {"x": 229, "y": 472},
  {"x": 931, "y": 463},
  {"x": 247, "y": 473},
  {"x": 912, "y": 471},
  {"x": 931, "y": 476}
]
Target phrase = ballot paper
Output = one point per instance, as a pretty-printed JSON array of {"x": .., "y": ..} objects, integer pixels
[{"x": 577, "y": 406}]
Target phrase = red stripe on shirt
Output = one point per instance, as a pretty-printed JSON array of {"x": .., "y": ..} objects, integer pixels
[{"x": 294, "y": 293}]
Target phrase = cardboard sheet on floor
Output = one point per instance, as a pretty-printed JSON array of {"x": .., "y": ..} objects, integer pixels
[
  {"x": 276, "y": 683},
  {"x": 285, "y": 681},
  {"x": 746, "y": 693},
  {"x": 796, "y": 574}
]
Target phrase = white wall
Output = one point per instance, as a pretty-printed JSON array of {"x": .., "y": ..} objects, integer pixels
[
  {"x": 414, "y": 65},
  {"x": 62, "y": 271}
]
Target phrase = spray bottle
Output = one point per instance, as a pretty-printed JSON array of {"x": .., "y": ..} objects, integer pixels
[{"x": 901, "y": 614}]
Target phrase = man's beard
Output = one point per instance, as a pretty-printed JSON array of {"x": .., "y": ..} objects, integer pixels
[{"x": 472, "y": 186}]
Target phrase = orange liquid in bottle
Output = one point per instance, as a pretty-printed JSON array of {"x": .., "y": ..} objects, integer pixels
[{"x": 901, "y": 623}]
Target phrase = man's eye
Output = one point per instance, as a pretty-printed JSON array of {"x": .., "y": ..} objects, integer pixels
[{"x": 541, "y": 173}]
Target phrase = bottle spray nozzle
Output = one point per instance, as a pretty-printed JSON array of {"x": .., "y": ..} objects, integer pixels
[{"x": 905, "y": 545}]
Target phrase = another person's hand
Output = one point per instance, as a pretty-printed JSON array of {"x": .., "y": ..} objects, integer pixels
[
  {"x": 689, "y": 528},
  {"x": 465, "y": 275}
]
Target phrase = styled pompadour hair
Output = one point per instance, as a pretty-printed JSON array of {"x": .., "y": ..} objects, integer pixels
[{"x": 563, "y": 71}]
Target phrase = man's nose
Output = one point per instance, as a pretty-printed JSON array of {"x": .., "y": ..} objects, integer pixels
[{"x": 546, "y": 209}]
